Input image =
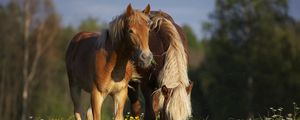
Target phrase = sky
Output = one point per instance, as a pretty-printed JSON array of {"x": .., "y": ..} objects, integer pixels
[{"x": 190, "y": 12}]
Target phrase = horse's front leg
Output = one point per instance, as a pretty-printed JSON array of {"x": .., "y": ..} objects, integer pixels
[
  {"x": 97, "y": 99},
  {"x": 149, "y": 111},
  {"x": 120, "y": 99},
  {"x": 133, "y": 95}
]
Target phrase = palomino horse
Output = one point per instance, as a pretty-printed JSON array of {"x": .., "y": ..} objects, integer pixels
[
  {"x": 169, "y": 46},
  {"x": 102, "y": 63},
  {"x": 167, "y": 94}
]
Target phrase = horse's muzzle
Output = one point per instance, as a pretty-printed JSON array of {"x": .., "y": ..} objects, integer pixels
[
  {"x": 142, "y": 59},
  {"x": 145, "y": 59}
]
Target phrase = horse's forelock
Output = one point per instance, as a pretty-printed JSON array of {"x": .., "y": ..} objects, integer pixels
[{"x": 117, "y": 27}]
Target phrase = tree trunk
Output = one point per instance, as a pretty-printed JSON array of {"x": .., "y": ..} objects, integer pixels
[
  {"x": 25, "y": 100},
  {"x": 27, "y": 20}
]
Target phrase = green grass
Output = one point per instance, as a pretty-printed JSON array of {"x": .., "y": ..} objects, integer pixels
[
  {"x": 276, "y": 114},
  {"x": 273, "y": 114}
]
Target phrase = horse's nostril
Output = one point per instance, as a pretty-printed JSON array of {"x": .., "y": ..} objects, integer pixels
[
  {"x": 144, "y": 56},
  {"x": 151, "y": 56}
]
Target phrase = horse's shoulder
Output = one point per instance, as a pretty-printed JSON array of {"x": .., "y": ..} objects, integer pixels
[{"x": 85, "y": 35}]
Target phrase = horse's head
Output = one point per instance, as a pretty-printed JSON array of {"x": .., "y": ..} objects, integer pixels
[
  {"x": 137, "y": 32},
  {"x": 167, "y": 93}
]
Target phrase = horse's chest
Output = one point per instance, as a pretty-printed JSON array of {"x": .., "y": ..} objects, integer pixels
[
  {"x": 118, "y": 86},
  {"x": 111, "y": 81},
  {"x": 112, "y": 75},
  {"x": 111, "y": 86}
]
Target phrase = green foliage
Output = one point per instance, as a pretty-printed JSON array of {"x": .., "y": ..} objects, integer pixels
[
  {"x": 89, "y": 24},
  {"x": 49, "y": 91},
  {"x": 251, "y": 59},
  {"x": 192, "y": 39},
  {"x": 195, "y": 49},
  {"x": 252, "y": 54}
]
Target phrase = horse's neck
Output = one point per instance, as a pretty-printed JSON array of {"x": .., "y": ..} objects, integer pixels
[
  {"x": 122, "y": 59},
  {"x": 117, "y": 55}
]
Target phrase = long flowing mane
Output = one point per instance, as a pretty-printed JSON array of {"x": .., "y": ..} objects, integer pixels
[{"x": 174, "y": 73}]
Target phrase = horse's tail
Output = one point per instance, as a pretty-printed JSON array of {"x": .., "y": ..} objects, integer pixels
[{"x": 174, "y": 73}]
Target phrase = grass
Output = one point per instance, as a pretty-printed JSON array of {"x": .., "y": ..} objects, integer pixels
[{"x": 276, "y": 114}]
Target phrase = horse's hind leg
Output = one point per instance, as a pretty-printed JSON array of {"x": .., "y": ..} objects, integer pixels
[
  {"x": 89, "y": 114},
  {"x": 133, "y": 94},
  {"x": 76, "y": 99}
]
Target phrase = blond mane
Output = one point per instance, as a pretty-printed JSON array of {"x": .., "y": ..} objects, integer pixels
[{"x": 174, "y": 73}]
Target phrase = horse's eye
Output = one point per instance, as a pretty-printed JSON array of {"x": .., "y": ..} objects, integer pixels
[{"x": 130, "y": 31}]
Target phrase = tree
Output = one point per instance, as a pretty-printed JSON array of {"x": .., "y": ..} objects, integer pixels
[
  {"x": 26, "y": 38},
  {"x": 9, "y": 49},
  {"x": 45, "y": 31},
  {"x": 251, "y": 58},
  {"x": 89, "y": 24},
  {"x": 33, "y": 79},
  {"x": 195, "y": 48}
]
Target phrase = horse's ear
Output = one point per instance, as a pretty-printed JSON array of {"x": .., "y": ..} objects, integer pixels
[
  {"x": 155, "y": 102},
  {"x": 129, "y": 10},
  {"x": 164, "y": 90},
  {"x": 189, "y": 88},
  {"x": 147, "y": 9}
]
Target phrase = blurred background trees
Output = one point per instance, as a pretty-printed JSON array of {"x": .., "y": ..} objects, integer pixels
[
  {"x": 251, "y": 60},
  {"x": 246, "y": 62}
]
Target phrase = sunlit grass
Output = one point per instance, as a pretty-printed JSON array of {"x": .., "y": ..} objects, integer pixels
[
  {"x": 43, "y": 117},
  {"x": 277, "y": 114},
  {"x": 273, "y": 114},
  {"x": 130, "y": 117}
]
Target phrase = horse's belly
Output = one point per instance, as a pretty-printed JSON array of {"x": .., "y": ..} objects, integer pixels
[
  {"x": 83, "y": 71},
  {"x": 83, "y": 78}
]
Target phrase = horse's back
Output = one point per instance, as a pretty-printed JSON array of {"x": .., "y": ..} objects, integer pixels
[
  {"x": 159, "y": 42},
  {"x": 178, "y": 28},
  {"x": 80, "y": 59}
]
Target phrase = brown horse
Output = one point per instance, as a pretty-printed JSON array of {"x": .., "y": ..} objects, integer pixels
[
  {"x": 169, "y": 46},
  {"x": 102, "y": 63}
]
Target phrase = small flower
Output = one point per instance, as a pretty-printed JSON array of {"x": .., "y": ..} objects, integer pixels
[
  {"x": 289, "y": 118},
  {"x": 131, "y": 118},
  {"x": 267, "y": 118},
  {"x": 274, "y": 116}
]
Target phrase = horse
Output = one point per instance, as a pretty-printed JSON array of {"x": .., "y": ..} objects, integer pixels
[
  {"x": 169, "y": 46},
  {"x": 167, "y": 94},
  {"x": 103, "y": 63}
]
